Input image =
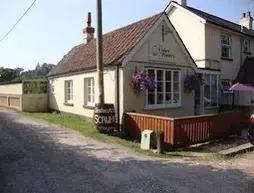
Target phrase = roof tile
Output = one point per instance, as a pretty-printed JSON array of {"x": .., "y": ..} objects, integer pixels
[{"x": 116, "y": 45}]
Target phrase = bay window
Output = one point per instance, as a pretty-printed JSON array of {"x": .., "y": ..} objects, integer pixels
[
  {"x": 167, "y": 91},
  {"x": 210, "y": 90}
]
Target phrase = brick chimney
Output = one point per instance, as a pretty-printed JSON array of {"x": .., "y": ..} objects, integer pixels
[
  {"x": 246, "y": 20},
  {"x": 89, "y": 30},
  {"x": 182, "y": 2}
]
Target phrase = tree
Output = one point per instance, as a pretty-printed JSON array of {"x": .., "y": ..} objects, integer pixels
[
  {"x": 40, "y": 72},
  {"x": 7, "y": 74}
]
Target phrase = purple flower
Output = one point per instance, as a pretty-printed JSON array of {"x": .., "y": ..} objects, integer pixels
[{"x": 142, "y": 81}]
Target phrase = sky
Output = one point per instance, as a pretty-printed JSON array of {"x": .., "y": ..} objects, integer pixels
[{"x": 53, "y": 27}]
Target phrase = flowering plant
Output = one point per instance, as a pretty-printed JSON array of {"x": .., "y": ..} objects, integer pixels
[
  {"x": 192, "y": 82},
  {"x": 141, "y": 81}
]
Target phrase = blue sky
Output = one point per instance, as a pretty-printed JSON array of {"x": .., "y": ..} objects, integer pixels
[{"x": 53, "y": 27}]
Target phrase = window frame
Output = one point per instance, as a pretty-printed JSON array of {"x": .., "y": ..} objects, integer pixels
[
  {"x": 227, "y": 46},
  {"x": 210, "y": 91},
  {"x": 249, "y": 46},
  {"x": 226, "y": 97},
  {"x": 164, "y": 104},
  {"x": 68, "y": 96},
  {"x": 87, "y": 95}
]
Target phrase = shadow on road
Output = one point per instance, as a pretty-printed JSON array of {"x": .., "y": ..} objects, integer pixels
[{"x": 32, "y": 160}]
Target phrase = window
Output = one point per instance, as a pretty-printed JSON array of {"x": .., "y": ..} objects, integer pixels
[
  {"x": 246, "y": 46},
  {"x": 89, "y": 92},
  {"x": 167, "y": 91},
  {"x": 69, "y": 91},
  {"x": 226, "y": 96},
  {"x": 226, "y": 47},
  {"x": 210, "y": 90}
]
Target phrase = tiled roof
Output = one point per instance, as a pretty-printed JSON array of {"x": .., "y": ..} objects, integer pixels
[
  {"x": 116, "y": 45},
  {"x": 245, "y": 75},
  {"x": 220, "y": 22}
]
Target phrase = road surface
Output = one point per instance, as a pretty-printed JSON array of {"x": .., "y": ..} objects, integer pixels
[{"x": 37, "y": 157}]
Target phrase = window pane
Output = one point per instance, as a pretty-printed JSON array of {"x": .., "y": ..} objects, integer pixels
[
  {"x": 168, "y": 86},
  {"x": 226, "y": 40},
  {"x": 176, "y": 76},
  {"x": 176, "y": 98},
  {"x": 159, "y": 75},
  {"x": 151, "y": 73},
  {"x": 159, "y": 86},
  {"x": 168, "y": 75},
  {"x": 176, "y": 87},
  {"x": 206, "y": 90},
  {"x": 168, "y": 98},
  {"x": 151, "y": 98},
  {"x": 225, "y": 52},
  {"x": 214, "y": 89},
  {"x": 159, "y": 98}
]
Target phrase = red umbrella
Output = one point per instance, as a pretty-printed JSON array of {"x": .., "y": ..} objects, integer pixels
[{"x": 241, "y": 87}]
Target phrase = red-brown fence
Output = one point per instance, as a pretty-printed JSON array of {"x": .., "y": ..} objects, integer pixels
[{"x": 185, "y": 130}]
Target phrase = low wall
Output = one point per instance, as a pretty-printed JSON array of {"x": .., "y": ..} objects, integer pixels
[
  {"x": 185, "y": 131},
  {"x": 35, "y": 102},
  {"x": 12, "y": 101},
  {"x": 28, "y": 96},
  {"x": 11, "y": 89}
]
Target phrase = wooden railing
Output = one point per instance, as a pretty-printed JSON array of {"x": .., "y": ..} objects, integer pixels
[
  {"x": 186, "y": 130},
  {"x": 135, "y": 123}
]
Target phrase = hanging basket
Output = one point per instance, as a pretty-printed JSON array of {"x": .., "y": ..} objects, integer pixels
[
  {"x": 142, "y": 81},
  {"x": 192, "y": 82}
]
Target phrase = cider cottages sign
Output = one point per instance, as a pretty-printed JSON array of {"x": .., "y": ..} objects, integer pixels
[{"x": 159, "y": 52}]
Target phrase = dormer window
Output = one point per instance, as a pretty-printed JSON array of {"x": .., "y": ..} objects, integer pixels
[
  {"x": 246, "y": 46},
  {"x": 226, "y": 47}
]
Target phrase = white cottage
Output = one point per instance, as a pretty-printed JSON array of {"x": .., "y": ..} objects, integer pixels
[
  {"x": 152, "y": 45},
  {"x": 219, "y": 48}
]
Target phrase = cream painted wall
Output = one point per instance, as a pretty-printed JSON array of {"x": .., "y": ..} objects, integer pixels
[
  {"x": 229, "y": 69},
  {"x": 191, "y": 31},
  {"x": 134, "y": 101},
  {"x": 12, "y": 89},
  {"x": 57, "y": 96}
]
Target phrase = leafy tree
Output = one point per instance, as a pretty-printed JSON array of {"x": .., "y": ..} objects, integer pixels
[{"x": 40, "y": 72}]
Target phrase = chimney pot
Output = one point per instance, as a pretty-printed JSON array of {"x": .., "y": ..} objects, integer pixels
[
  {"x": 89, "y": 30},
  {"x": 182, "y": 2}
]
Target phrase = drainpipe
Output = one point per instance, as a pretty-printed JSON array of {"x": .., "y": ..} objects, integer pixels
[{"x": 117, "y": 98}]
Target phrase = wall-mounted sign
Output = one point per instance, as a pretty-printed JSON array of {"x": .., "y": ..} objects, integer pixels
[{"x": 160, "y": 52}]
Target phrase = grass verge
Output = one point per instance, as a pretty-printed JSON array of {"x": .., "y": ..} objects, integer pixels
[{"x": 86, "y": 128}]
